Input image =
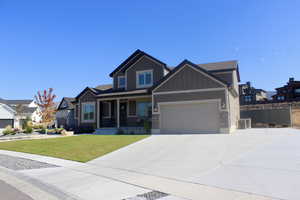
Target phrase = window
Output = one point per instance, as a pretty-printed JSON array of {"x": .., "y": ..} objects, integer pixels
[
  {"x": 280, "y": 98},
  {"x": 121, "y": 81},
  {"x": 88, "y": 111},
  {"x": 144, "y": 109},
  {"x": 132, "y": 108},
  {"x": 144, "y": 79},
  {"x": 297, "y": 91},
  {"x": 248, "y": 98},
  {"x": 106, "y": 110}
]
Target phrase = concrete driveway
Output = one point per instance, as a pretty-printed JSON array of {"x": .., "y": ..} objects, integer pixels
[{"x": 262, "y": 162}]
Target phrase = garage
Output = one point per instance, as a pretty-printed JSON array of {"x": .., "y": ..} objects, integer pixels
[
  {"x": 190, "y": 117},
  {"x": 6, "y": 122}
]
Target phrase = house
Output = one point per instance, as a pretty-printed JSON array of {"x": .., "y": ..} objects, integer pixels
[
  {"x": 251, "y": 95},
  {"x": 288, "y": 92},
  {"x": 14, "y": 112},
  {"x": 190, "y": 98},
  {"x": 65, "y": 114}
]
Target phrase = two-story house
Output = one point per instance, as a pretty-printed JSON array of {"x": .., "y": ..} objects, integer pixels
[
  {"x": 190, "y": 98},
  {"x": 251, "y": 95},
  {"x": 288, "y": 92}
]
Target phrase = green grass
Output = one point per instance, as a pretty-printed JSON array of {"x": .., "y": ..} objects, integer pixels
[{"x": 79, "y": 148}]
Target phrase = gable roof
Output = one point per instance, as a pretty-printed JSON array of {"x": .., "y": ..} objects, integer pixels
[
  {"x": 68, "y": 100},
  {"x": 93, "y": 90},
  {"x": 132, "y": 59},
  {"x": 182, "y": 64}
]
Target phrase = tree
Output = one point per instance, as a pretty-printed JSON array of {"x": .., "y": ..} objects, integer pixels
[{"x": 47, "y": 109}]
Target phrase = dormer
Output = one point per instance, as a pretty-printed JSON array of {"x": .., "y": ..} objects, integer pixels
[{"x": 140, "y": 70}]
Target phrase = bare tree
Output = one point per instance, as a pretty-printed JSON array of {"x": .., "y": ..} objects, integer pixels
[{"x": 45, "y": 101}]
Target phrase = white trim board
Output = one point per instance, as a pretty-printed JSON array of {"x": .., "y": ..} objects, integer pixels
[
  {"x": 88, "y": 121},
  {"x": 187, "y": 65},
  {"x": 122, "y": 93}
]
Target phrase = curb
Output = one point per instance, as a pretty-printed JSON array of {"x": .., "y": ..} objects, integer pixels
[{"x": 34, "y": 188}]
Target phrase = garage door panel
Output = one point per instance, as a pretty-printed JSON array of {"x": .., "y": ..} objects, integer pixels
[
  {"x": 5, "y": 122},
  {"x": 190, "y": 117}
]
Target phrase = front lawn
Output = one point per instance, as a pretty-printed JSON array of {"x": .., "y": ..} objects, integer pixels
[{"x": 79, "y": 148}]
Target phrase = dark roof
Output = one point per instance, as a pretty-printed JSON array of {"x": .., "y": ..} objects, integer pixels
[
  {"x": 28, "y": 110},
  {"x": 132, "y": 59},
  {"x": 69, "y": 101},
  {"x": 190, "y": 64},
  {"x": 220, "y": 66},
  {"x": 19, "y": 101}
]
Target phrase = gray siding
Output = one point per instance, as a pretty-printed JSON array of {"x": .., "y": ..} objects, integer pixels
[
  {"x": 144, "y": 63},
  {"x": 227, "y": 77},
  {"x": 191, "y": 96},
  {"x": 188, "y": 79},
  {"x": 115, "y": 79},
  {"x": 87, "y": 97}
]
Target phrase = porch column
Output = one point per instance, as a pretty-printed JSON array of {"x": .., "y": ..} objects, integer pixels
[
  {"x": 98, "y": 113},
  {"x": 118, "y": 113}
]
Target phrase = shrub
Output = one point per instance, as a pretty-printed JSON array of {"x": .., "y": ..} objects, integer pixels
[
  {"x": 8, "y": 130},
  {"x": 120, "y": 132},
  {"x": 28, "y": 130},
  {"x": 147, "y": 126}
]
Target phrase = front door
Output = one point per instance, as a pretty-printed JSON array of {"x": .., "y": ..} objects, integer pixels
[{"x": 123, "y": 113}]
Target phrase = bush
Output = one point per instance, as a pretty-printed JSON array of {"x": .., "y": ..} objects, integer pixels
[
  {"x": 38, "y": 126},
  {"x": 8, "y": 130},
  {"x": 120, "y": 132},
  {"x": 28, "y": 130},
  {"x": 147, "y": 126},
  {"x": 84, "y": 129}
]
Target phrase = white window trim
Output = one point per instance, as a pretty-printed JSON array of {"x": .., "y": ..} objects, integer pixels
[
  {"x": 137, "y": 79},
  {"x": 128, "y": 113},
  {"x": 119, "y": 81},
  {"x": 109, "y": 109},
  {"x": 82, "y": 113}
]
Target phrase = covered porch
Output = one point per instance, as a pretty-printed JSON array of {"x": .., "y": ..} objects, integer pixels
[{"x": 126, "y": 113}]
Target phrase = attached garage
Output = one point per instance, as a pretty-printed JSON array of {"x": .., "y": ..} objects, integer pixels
[
  {"x": 190, "y": 117},
  {"x": 5, "y": 122}
]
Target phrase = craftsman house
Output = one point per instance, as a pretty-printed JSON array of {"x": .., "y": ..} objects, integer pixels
[{"x": 190, "y": 98}]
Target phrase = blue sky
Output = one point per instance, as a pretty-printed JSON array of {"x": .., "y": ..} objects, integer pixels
[{"x": 71, "y": 44}]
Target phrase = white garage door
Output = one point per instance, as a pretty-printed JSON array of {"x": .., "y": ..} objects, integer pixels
[{"x": 190, "y": 118}]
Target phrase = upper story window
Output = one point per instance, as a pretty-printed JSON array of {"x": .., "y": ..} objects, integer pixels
[
  {"x": 297, "y": 91},
  {"x": 248, "y": 98},
  {"x": 121, "y": 81},
  {"x": 88, "y": 111},
  {"x": 144, "y": 78}
]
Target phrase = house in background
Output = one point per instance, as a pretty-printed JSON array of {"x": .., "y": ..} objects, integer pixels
[
  {"x": 251, "y": 95},
  {"x": 288, "y": 92},
  {"x": 14, "y": 112},
  {"x": 190, "y": 98},
  {"x": 65, "y": 114}
]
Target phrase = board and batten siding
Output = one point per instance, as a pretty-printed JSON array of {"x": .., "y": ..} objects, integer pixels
[
  {"x": 188, "y": 79},
  {"x": 87, "y": 97},
  {"x": 145, "y": 63}
]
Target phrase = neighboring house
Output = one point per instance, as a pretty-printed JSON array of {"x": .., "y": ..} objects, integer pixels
[
  {"x": 251, "y": 95},
  {"x": 13, "y": 112},
  {"x": 289, "y": 92},
  {"x": 65, "y": 114},
  {"x": 190, "y": 98}
]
